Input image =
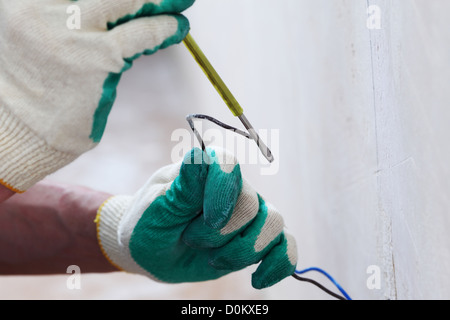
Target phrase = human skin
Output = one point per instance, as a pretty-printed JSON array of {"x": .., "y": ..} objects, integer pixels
[
  {"x": 5, "y": 193},
  {"x": 48, "y": 228}
]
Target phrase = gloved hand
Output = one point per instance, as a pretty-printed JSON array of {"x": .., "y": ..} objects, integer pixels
[
  {"x": 194, "y": 221},
  {"x": 57, "y": 85}
]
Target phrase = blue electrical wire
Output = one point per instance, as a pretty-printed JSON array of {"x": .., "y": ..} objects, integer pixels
[{"x": 299, "y": 272}]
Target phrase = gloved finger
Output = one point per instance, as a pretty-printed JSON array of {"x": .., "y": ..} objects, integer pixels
[
  {"x": 200, "y": 235},
  {"x": 278, "y": 264},
  {"x": 253, "y": 243},
  {"x": 222, "y": 189},
  {"x": 117, "y": 12},
  {"x": 148, "y": 35}
]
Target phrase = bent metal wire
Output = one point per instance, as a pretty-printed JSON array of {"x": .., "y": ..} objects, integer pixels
[
  {"x": 190, "y": 119},
  {"x": 251, "y": 134}
]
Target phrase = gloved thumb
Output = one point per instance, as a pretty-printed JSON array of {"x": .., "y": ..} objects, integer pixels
[{"x": 222, "y": 188}]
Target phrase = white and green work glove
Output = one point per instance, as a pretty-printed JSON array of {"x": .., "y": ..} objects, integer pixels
[
  {"x": 58, "y": 82},
  {"x": 194, "y": 221}
]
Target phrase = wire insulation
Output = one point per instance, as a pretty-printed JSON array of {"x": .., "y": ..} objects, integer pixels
[
  {"x": 299, "y": 272},
  {"x": 331, "y": 293}
]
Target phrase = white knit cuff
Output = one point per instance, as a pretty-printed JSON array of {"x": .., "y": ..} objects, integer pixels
[
  {"x": 108, "y": 218},
  {"x": 25, "y": 158}
]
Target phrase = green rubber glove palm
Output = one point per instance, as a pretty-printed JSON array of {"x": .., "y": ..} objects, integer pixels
[
  {"x": 58, "y": 83},
  {"x": 194, "y": 221}
]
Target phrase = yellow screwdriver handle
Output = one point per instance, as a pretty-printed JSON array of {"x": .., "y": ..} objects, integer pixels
[{"x": 213, "y": 76}]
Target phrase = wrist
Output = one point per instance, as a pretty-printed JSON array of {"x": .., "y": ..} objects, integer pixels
[{"x": 78, "y": 208}]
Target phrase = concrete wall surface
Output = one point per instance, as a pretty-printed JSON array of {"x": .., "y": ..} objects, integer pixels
[{"x": 354, "y": 97}]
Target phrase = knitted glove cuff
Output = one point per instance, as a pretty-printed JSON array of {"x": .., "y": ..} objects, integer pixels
[
  {"x": 25, "y": 158},
  {"x": 108, "y": 219}
]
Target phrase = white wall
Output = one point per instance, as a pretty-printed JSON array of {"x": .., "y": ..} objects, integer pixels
[{"x": 363, "y": 120}]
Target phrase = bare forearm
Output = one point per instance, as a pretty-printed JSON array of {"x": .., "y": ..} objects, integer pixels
[
  {"x": 49, "y": 228},
  {"x": 5, "y": 193}
]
